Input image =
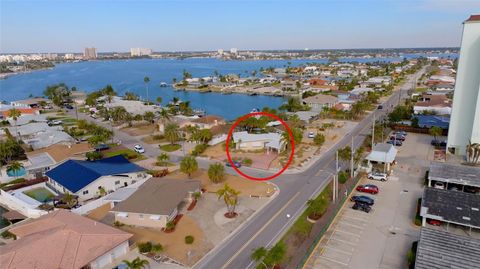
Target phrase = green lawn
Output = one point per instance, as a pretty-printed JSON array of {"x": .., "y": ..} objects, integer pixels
[
  {"x": 127, "y": 153},
  {"x": 170, "y": 147}
]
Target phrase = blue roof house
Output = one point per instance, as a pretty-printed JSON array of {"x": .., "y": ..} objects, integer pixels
[{"x": 86, "y": 179}]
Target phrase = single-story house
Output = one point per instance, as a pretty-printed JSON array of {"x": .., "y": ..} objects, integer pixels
[
  {"x": 383, "y": 153},
  {"x": 377, "y": 81},
  {"x": 31, "y": 102},
  {"x": 156, "y": 202},
  {"x": 27, "y": 118},
  {"x": 361, "y": 90},
  {"x": 249, "y": 142},
  {"x": 49, "y": 138},
  {"x": 32, "y": 129},
  {"x": 443, "y": 87},
  {"x": 438, "y": 104},
  {"x": 42, "y": 160},
  {"x": 209, "y": 121},
  {"x": 26, "y": 110},
  {"x": 86, "y": 178},
  {"x": 62, "y": 239},
  {"x": 319, "y": 101},
  {"x": 131, "y": 106}
]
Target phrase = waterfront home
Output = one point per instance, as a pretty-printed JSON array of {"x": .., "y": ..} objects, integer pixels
[
  {"x": 208, "y": 122},
  {"x": 288, "y": 85},
  {"x": 31, "y": 102},
  {"x": 27, "y": 118},
  {"x": 24, "y": 110},
  {"x": 320, "y": 101},
  {"x": 131, "y": 106},
  {"x": 62, "y": 239},
  {"x": 437, "y": 104},
  {"x": 252, "y": 142},
  {"x": 42, "y": 160},
  {"x": 31, "y": 130},
  {"x": 77, "y": 97},
  {"x": 156, "y": 202},
  {"x": 88, "y": 179}
]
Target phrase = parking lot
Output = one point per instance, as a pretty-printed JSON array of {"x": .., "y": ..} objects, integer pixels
[{"x": 381, "y": 238}]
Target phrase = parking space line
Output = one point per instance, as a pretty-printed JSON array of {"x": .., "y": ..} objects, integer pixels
[
  {"x": 346, "y": 242},
  {"x": 356, "y": 218},
  {"x": 345, "y": 232},
  {"x": 355, "y": 226},
  {"x": 338, "y": 250},
  {"x": 335, "y": 261}
]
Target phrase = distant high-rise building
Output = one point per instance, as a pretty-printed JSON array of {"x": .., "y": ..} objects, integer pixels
[
  {"x": 220, "y": 51},
  {"x": 90, "y": 53},
  {"x": 136, "y": 52},
  {"x": 69, "y": 56},
  {"x": 233, "y": 50},
  {"x": 465, "y": 118}
]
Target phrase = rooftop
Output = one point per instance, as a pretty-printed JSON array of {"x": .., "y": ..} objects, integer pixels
[
  {"x": 453, "y": 173},
  {"x": 60, "y": 239},
  {"x": 382, "y": 152},
  {"x": 473, "y": 18},
  {"x": 60, "y": 153},
  {"x": 320, "y": 99},
  {"x": 158, "y": 196},
  {"x": 451, "y": 206},
  {"x": 444, "y": 250},
  {"x": 209, "y": 119},
  {"x": 75, "y": 175}
]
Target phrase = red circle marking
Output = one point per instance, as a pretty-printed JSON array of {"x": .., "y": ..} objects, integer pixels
[{"x": 252, "y": 115}]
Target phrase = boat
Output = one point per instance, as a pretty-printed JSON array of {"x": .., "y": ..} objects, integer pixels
[
  {"x": 163, "y": 84},
  {"x": 254, "y": 110}
]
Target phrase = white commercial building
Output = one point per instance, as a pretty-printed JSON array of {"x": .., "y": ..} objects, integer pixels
[
  {"x": 465, "y": 118},
  {"x": 136, "y": 52}
]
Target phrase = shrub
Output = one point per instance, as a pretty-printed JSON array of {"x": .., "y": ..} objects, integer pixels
[
  {"x": 118, "y": 224},
  {"x": 157, "y": 248},
  {"x": 94, "y": 155},
  {"x": 145, "y": 247},
  {"x": 199, "y": 149},
  {"x": 342, "y": 177},
  {"x": 247, "y": 161},
  {"x": 189, "y": 239},
  {"x": 8, "y": 235}
]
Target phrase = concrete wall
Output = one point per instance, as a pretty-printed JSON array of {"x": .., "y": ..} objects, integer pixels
[
  {"x": 109, "y": 257},
  {"x": 142, "y": 220},
  {"x": 13, "y": 203},
  {"x": 465, "y": 118}
]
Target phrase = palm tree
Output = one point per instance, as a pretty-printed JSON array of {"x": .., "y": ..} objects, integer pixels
[
  {"x": 230, "y": 197},
  {"x": 15, "y": 167},
  {"x": 344, "y": 154},
  {"x": 69, "y": 199},
  {"x": 146, "y": 80},
  {"x": 149, "y": 116},
  {"x": 435, "y": 131},
  {"x": 297, "y": 137},
  {"x": 269, "y": 258},
  {"x": 216, "y": 172},
  {"x": 189, "y": 165},
  {"x": 136, "y": 263},
  {"x": 162, "y": 159},
  {"x": 14, "y": 114},
  {"x": 171, "y": 133}
]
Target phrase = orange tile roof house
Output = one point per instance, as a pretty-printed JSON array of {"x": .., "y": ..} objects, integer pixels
[{"x": 62, "y": 239}]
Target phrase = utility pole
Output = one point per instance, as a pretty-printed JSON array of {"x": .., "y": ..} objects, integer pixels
[
  {"x": 351, "y": 159},
  {"x": 373, "y": 130}
]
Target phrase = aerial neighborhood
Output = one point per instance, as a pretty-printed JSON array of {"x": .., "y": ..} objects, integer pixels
[{"x": 361, "y": 145}]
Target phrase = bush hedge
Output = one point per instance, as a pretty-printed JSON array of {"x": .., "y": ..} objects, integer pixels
[{"x": 189, "y": 239}]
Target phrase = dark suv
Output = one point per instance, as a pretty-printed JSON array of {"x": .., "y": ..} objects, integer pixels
[
  {"x": 362, "y": 199},
  {"x": 361, "y": 206}
]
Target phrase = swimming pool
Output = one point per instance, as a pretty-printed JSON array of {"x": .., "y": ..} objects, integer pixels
[
  {"x": 40, "y": 194},
  {"x": 17, "y": 173}
]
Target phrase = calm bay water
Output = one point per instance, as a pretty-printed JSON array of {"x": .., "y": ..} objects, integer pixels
[{"x": 127, "y": 75}]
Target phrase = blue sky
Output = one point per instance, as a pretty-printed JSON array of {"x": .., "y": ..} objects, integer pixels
[{"x": 71, "y": 25}]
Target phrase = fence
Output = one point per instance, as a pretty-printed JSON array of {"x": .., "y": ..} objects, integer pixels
[
  {"x": 22, "y": 207},
  {"x": 325, "y": 227}
]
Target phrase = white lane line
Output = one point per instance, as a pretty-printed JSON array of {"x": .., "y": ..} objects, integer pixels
[
  {"x": 333, "y": 260},
  {"x": 343, "y": 241},
  {"x": 349, "y": 233},
  {"x": 338, "y": 250},
  {"x": 352, "y": 225}
]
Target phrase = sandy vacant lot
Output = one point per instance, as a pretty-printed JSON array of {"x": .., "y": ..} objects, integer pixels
[
  {"x": 245, "y": 186},
  {"x": 144, "y": 129}
]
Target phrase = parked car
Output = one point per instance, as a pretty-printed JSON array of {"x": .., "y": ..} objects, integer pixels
[
  {"x": 139, "y": 149},
  {"x": 237, "y": 164},
  {"x": 68, "y": 106},
  {"x": 439, "y": 185},
  {"x": 47, "y": 107},
  {"x": 362, "y": 199},
  {"x": 94, "y": 116},
  {"x": 470, "y": 189},
  {"x": 311, "y": 135},
  {"x": 380, "y": 107},
  {"x": 439, "y": 143},
  {"x": 361, "y": 206},
  {"x": 377, "y": 176},
  {"x": 368, "y": 188},
  {"x": 403, "y": 133},
  {"x": 397, "y": 143},
  {"x": 434, "y": 222},
  {"x": 397, "y": 137},
  {"x": 54, "y": 122},
  {"x": 101, "y": 147}
]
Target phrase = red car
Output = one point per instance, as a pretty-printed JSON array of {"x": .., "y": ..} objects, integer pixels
[
  {"x": 434, "y": 222},
  {"x": 369, "y": 188}
]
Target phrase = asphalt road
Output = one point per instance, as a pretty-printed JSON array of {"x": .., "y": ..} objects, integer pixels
[{"x": 267, "y": 226}]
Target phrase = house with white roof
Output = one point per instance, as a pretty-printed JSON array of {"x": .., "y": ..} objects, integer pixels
[{"x": 251, "y": 142}]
